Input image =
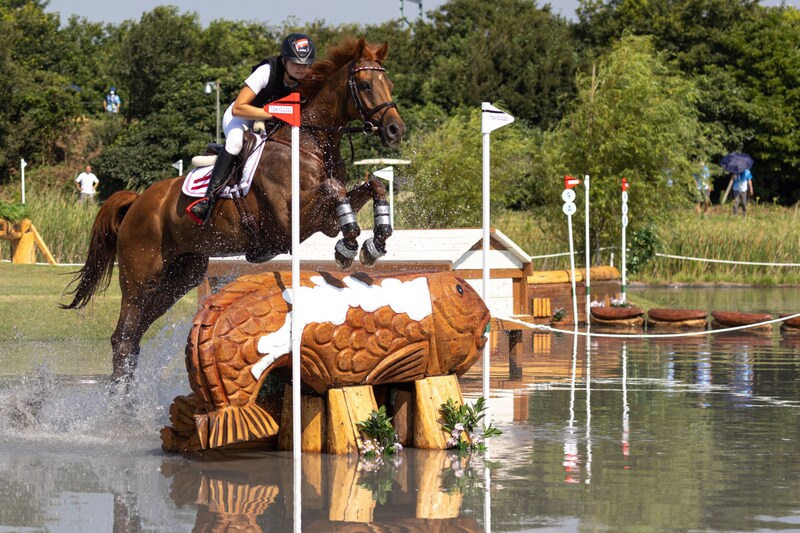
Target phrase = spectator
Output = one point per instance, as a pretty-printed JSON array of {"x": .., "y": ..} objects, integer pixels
[
  {"x": 703, "y": 181},
  {"x": 742, "y": 185},
  {"x": 86, "y": 183},
  {"x": 113, "y": 102}
]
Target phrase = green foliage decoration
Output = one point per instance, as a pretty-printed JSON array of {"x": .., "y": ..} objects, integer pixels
[
  {"x": 14, "y": 212},
  {"x": 380, "y": 436},
  {"x": 461, "y": 422}
]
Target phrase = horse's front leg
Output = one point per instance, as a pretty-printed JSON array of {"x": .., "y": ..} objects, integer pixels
[
  {"x": 375, "y": 246},
  {"x": 347, "y": 247}
]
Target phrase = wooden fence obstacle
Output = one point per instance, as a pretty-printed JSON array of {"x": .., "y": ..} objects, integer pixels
[{"x": 24, "y": 239}]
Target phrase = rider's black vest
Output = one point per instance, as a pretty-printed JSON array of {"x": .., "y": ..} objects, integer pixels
[{"x": 275, "y": 88}]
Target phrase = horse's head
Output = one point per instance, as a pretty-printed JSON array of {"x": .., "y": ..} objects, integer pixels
[{"x": 371, "y": 92}]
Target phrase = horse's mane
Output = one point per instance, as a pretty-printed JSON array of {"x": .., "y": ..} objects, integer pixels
[{"x": 337, "y": 57}]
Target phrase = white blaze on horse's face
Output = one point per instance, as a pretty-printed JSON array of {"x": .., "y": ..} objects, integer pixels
[{"x": 375, "y": 92}]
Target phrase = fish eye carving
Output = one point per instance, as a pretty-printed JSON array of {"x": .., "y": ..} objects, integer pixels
[{"x": 460, "y": 289}]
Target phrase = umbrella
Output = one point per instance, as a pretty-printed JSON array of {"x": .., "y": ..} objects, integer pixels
[{"x": 736, "y": 162}]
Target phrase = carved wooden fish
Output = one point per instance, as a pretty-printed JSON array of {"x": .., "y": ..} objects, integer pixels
[{"x": 357, "y": 329}]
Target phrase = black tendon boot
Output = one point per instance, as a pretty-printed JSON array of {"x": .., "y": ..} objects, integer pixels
[{"x": 200, "y": 209}]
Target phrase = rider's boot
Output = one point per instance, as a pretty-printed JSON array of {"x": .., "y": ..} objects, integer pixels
[{"x": 201, "y": 209}]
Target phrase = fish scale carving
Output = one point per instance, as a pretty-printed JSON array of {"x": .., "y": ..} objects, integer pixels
[{"x": 384, "y": 345}]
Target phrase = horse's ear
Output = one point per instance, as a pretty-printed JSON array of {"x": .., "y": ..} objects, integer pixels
[
  {"x": 381, "y": 53},
  {"x": 360, "y": 46}
]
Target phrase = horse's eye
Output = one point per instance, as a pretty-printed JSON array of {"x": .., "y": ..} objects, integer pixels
[
  {"x": 364, "y": 86},
  {"x": 460, "y": 289}
]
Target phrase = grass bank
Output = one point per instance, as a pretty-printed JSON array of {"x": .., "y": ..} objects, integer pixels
[
  {"x": 32, "y": 324},
  {"x": 769, "y": 234}
]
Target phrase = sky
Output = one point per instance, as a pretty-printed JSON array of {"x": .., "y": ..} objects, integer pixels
[{"x": 272, "y": 12}]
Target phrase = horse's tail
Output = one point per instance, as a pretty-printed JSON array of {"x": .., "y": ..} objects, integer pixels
[{"x": 96, "y": 271}]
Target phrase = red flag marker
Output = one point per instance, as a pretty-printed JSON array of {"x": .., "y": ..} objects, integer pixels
[
  {"x": 570, "y": 182},
  {"x": 624, "y": 185},
  {"x": 287, "y": 109}
]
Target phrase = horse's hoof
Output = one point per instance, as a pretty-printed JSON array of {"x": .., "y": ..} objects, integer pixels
[
  {"x": 365, "y": 258},
  {"x": 342, "y": 262}
]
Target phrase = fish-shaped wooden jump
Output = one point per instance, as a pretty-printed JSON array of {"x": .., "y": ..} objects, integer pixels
[{"x": 357, "y": 329}]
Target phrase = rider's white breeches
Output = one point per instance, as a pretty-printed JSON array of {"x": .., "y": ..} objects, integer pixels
[{"x": 233, "y": 127}]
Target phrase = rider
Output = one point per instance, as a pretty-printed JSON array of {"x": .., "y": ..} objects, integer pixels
[{"x": 273, "y": 78}]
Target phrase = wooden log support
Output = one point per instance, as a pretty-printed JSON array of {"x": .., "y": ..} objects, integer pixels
[
  {"x": 347, "y": 407},
  {"x": 430, "y": 394},
  {"x": 312, "y": 420},
  {"x": 403, "y": 416}
]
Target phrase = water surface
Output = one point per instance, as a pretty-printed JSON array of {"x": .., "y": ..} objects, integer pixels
[{"x": 609, "y": 434}]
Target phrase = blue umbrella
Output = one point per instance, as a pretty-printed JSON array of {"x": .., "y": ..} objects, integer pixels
[{"x": 737, "y": 162}]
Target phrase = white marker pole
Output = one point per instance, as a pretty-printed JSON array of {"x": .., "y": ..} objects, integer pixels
[
  {"x": 587, "y": 277},
  {"x": 387, "y": 174},
  {"x": 491, "y": 119},
  {"x": 569, "y": 209},
  {"x": 288, "y": 110},
  {"x": 624, "y": 229},
  {"x": 22, "y": 165}
]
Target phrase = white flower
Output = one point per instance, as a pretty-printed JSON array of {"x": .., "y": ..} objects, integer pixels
[{"x": 458, "y": 427}]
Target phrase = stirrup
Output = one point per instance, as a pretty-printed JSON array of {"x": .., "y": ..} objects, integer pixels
[{"x": 193, "y": 216}]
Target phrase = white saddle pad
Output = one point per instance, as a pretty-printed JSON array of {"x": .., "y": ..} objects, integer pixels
[{"x": 196, "y": 181}]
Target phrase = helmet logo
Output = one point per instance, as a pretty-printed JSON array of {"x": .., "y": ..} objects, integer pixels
[{"x": 301, "y": 45}]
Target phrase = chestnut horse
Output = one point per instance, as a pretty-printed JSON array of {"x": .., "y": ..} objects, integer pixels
[{"x": 162, "y": 253}]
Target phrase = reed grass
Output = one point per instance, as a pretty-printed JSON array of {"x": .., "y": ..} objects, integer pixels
[{"x": 768, "y": 234}]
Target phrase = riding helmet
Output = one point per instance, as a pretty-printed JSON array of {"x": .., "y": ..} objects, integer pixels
[{"x": 298, "y": 48}]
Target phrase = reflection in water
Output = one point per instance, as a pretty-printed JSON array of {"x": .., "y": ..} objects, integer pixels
[
  {"x": 422, "y": 492},
  {"x": 690, "y": 433}
]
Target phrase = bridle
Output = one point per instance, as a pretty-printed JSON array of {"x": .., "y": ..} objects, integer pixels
[{"x": 367, "y": 114}]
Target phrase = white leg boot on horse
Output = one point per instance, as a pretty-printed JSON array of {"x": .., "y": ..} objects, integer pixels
[{"x": 201, "y": 209}]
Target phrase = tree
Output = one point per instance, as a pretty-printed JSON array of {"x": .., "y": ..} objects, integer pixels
[
  {"x": 446, "y": 185},
  {"x": 634, "y": 117},
  {"x": 507, "y": 50},
  {"x": 150, "y": 52}
]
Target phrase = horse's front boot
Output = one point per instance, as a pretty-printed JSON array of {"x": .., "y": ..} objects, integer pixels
[{"x": 201, "y": 209}]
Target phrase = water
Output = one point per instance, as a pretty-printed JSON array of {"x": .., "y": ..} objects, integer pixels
[{"x": 682, "y": 434}]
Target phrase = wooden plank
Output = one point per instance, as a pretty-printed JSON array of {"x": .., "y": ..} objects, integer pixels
[
  {"x": 403, "y": 416},
  {"x": 312, "y": 420},
  {"x": 430, "y": 394},
  {"x": 347, "y": 407},
  {"x": 42, "y": 246}
]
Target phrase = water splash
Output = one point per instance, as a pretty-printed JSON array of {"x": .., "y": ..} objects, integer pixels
[{"x": 54, "y": 410}]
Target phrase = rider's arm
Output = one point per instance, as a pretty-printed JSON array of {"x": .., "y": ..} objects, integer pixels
[{"x": 243, "y": 108}]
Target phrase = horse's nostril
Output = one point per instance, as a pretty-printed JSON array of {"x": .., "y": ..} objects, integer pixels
[{"x": 393, "y": 131}]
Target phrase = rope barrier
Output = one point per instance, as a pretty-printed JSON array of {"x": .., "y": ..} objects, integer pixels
[
  {"x": 543, "y": 327},
  {"x": 755, "y": 263}
]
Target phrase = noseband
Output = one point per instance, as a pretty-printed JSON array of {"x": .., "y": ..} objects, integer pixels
[{"x": 366, "y": 114}]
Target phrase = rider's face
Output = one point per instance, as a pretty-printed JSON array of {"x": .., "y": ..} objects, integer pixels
[{"x": 296, "y": 70}]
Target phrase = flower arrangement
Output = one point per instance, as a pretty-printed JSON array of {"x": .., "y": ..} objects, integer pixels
[
  {"x": 614, "y": 302},
  {"x": 461, "y": 422},
  {"x": 558, "y": 314},
  {"x": 380, "y": 438}
]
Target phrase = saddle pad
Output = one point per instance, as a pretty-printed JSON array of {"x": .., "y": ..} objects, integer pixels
[{"x": 196, "y": 181}]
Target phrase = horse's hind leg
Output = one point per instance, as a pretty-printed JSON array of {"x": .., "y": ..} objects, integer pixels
[
  {"x": 143, "y": 302},
  {"x": 182, "y": 275},
  {"x": 374, "y": 247}
]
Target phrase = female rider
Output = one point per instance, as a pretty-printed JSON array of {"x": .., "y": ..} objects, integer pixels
[{"x": 273, "y": 78}]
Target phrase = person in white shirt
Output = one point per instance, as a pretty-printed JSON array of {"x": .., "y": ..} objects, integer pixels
[{"x": 87, "y": 182}]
